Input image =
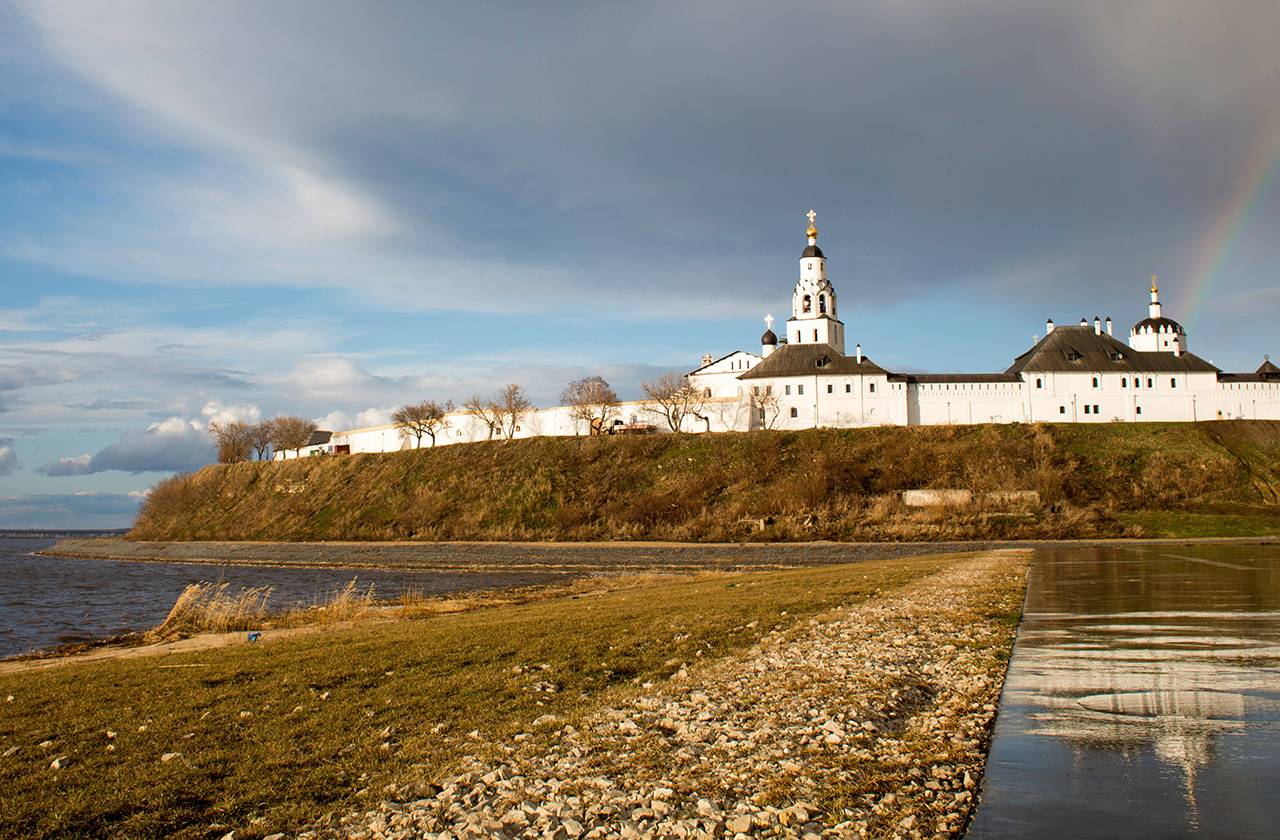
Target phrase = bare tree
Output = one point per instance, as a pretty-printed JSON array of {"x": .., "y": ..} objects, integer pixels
[
  {"x": 592, "y": 401},
  {"x": 291, "y": 433},
  {"x": 513, "y": 407},
  {"x": 263, "y": 434},
  {"x": 488, "y": 412},
  {"x": 234, "y": 439},
  {"x": 766, "y": 407},
  {"x": 675, "y": 399},
  {"x": 423, "y": 419}
]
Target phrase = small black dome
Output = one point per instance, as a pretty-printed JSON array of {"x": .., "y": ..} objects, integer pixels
[
  {"x": 1157, "y": 324},
  {"x": 813, "y": 251},
  {"x": 769, "y": 338}
]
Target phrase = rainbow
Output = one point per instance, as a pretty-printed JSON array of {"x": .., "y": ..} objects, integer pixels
[{"x": 1213, "y": 249}]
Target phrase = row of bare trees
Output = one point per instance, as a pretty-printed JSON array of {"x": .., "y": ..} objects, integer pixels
[
  {"x": 238, "y": 441},
  {"x": 591, "y": 402},
  {"x": 501, "y": 415}
]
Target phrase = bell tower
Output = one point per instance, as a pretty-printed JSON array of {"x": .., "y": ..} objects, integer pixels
[{"x": 814, "y": 318}]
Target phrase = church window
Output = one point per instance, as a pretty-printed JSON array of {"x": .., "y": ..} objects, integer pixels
[
  {"x": 815, "y": 335},
  {"x": 1062, "y": 409},
  {"x": 822, "y": 304},
  {"x": 788, "y": 390},
  {"x": 1137, "y": 409},
  {"x": 1088, "y": 409},
  {"x": 795, "y": 412},
  {"x": 1173, "y": 383},
  {"x": 1124, "y": 382},
  {"x": 806, "y": 304},
  {"x": 848, "y": 387},
  {"x": 873, "y": 387},
  {"x": 1095, "y": 382},
  {"x": 768, "y": 389},
  {"x": 1039, "y": 382},
  {"x": 1095, "y": 410},
  {"x": 708, "y": 393},
  {"x": 830, "y": 389},
  {"x": 800, "y": 390},
  {"x": 1150, "y": 382}
]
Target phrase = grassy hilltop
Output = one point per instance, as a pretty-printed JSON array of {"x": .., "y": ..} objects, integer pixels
[{"x": 1176, "y": 479}]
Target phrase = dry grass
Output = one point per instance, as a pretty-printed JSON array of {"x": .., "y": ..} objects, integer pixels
[
  {"x": 837, "y": 484},
  {"x": 273, "y": 736},
  {"x": 213, "y": 608}
]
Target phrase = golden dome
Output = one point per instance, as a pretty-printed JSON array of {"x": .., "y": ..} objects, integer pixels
[{"x": 812, "y": 231}]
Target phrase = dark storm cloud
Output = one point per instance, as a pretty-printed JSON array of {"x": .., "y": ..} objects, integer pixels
[{"x": 667, "y": 151}]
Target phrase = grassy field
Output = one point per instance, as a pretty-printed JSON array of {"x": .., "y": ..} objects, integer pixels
[
  {"x": 271, "y": 736},
  {"x": 1092, "y": 481}
]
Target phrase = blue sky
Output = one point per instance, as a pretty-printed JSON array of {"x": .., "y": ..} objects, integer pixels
[{"x": 244, "y": 209}]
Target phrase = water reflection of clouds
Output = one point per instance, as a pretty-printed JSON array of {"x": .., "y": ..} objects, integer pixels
[{"x": 1131, "y": 669}]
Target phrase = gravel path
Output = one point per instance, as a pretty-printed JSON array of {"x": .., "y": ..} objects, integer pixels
[{"x": 870, "y": 722}]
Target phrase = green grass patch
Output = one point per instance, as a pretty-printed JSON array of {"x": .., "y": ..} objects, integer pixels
[
  {"x": 275, "y": 735},
  {"x": 1192, "y": 524}
]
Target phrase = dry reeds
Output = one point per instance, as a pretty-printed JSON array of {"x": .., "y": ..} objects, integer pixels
[{"x": 213, "y": 608}]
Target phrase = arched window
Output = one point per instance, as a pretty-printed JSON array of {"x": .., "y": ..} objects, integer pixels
[
  {"x": 822, "y": 304},
  {"x": 1039, "y": 382},
  {"x": 806, "y": 305},
  {"x": 1095, "y": 382}
]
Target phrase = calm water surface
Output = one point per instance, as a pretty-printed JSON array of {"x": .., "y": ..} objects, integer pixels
[
  {"x": 47, "y": 601},
  {"x": 1143, "y": 698}
]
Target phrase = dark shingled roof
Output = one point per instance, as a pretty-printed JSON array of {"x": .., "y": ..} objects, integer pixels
[
  {"x": 1266, "y": 372},
  {"x": 812, "y": 251},
  {"x": 803, "y": 359},
  {"x": 1081, "y": 349},
  {"x": 318, "y": 437}
]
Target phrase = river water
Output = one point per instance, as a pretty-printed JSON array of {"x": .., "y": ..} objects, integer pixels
[
  {"x": 48, "y": 601},
  {"x": 1143, "y": 698}
]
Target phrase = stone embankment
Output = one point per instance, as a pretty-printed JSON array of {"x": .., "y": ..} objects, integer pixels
[{"x": 872, "y": 721}]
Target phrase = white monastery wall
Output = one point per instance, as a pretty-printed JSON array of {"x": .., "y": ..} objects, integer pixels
[{"x": 1075, "y": 374}]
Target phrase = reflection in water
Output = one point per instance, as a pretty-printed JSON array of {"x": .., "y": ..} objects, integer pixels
[{"x": 1143, "y": 698}]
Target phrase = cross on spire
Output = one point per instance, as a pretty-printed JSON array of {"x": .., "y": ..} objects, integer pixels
[
  {"x": 811, "y": 215},
  {"x": 768, "y": 322}
]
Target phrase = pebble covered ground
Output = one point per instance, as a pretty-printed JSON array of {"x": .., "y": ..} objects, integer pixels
[{"x": 870, "y": 721}]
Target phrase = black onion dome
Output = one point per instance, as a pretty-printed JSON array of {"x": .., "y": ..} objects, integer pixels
[
  {"x": 1158, "y": 324},
  {"x": 813, "y": 251},
  {"x": 770, "y": 338}
]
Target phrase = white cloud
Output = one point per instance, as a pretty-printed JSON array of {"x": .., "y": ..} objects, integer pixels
[
  {"x": 215, "y": 411},
  {"x": 336, "y": 421},
  {"x": 8, "y": 456},
  {"x": 73, "y": 465},
  {"x": 171, "y": 445}
]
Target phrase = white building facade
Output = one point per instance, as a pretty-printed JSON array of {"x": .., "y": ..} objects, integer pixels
[{"x": 807, "y": 379}]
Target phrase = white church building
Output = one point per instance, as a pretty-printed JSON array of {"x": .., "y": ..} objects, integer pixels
[{"x": 806, "y": 378}]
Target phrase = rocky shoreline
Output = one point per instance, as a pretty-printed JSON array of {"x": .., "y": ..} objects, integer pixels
[
  {"x": 872, "y": 721},
  {"x": 557, "y": 557}
]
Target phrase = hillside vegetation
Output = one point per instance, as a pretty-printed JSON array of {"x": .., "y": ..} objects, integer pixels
[{"x": 840, "y": 484}]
